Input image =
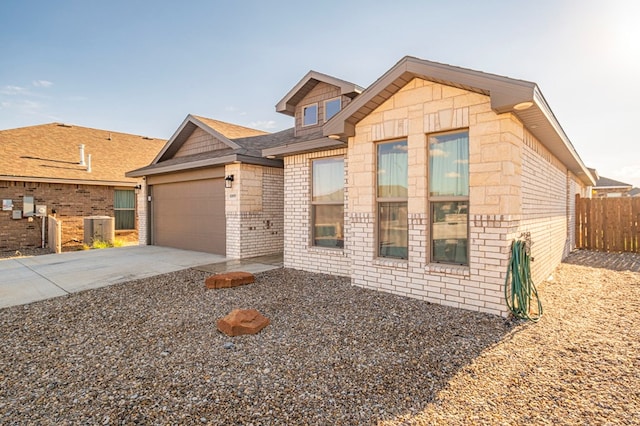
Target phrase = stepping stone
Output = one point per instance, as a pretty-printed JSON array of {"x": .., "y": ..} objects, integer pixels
[
  {"x": 242, "y": 321},
  {"x": 229, "y": 279}
]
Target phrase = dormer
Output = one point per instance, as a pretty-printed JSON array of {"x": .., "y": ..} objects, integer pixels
[{"x": 315, "y": 100}]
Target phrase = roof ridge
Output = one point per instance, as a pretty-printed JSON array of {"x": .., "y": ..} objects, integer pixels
[{"x": 205, "y": 119}]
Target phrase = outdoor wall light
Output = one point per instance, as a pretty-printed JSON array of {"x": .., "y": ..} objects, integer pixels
[
  {"x": 523, "y": 105},
  {"x": 228, "y": 181}
]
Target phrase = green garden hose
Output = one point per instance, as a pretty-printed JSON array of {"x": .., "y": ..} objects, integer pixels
[{"x": 519, "y": 290}]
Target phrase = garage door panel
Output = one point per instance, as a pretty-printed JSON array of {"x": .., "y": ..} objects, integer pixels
[{"x": 190, "y": 215}]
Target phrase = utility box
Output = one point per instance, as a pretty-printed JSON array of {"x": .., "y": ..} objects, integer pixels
[{"x": 99, "y": 228}]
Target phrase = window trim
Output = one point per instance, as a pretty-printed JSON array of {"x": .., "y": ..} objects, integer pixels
[
  {"x": 339, "y": 99},
  {"x": 315, "y": 104},
  {"x": 431, "y": 200},
  {"x": 312, "y": 203},
  {"x": 388, "y": 200}
]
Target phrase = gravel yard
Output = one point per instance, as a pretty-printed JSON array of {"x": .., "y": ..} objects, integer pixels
[{"x": 148, "y": 352}]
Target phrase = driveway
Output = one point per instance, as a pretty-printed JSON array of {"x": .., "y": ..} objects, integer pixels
[{"x": 29, "y": 279}]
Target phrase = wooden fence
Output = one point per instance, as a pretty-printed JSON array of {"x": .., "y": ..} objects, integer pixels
[{"x": 608, "y": 224}]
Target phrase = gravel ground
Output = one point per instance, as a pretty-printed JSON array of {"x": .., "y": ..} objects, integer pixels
[{"x": 148, "y": 352}]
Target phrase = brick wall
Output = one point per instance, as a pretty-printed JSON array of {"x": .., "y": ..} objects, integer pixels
[
  {"x": 254, "y": 211},
  {"x": 515, "y": 186},
  {"x": 548, "y": 207},
  {"x": 71, "y": 202},
  {"x": 299, "y": 253}
]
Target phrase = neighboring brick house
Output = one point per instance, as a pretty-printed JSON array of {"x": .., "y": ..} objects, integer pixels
[
  {"x": 41, "y": 166},
  {"x": 418, "y": 185}
]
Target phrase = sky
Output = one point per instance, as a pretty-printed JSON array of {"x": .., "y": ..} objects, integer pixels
[{"x": 140, "y": 66}]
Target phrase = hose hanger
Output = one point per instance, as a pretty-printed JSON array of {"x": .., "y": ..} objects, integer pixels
[{"x": 519, "y": 290}]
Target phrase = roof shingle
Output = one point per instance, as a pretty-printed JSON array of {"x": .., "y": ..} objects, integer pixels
[{"x": 50, "y": 152}]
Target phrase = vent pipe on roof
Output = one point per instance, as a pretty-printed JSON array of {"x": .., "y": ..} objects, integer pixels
[
  {"x": 109, "y": 136},
  {"x": 82, "y": 163},
  {"x": 88, "y": 163}
]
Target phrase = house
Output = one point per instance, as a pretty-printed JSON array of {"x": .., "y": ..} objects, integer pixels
[
  {"x": 70, "y": 172},
  {"x": 635, "y": 192},
  {"x": 419, "y": 184},
  {"x": 606, "y": 187},
  {"x": 210, "y": 189},
  {"x": 416, "y": 185}
]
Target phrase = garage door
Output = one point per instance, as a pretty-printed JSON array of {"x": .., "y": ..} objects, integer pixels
[{"x": 189, "y": 215}]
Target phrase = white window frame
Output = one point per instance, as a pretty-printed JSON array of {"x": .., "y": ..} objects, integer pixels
[{"x": 304, "y": 108}]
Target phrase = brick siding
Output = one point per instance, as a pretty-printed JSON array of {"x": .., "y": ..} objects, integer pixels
[
  {"x": 299, "y": 253},
  {"x": 254, "y": 211},
  {"x": 71, "y": 202},
  {"x": 516, "y": 186}
]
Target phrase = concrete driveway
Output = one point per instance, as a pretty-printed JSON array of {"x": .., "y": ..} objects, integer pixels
[{"x": 29, "y": 279}]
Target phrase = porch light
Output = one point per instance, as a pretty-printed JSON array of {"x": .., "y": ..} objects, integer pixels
[
  {"x": 228, "y": 181},
  {"x": 334, "y": 137}
]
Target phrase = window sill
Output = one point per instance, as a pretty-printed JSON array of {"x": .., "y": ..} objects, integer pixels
[
  {"x": 391, "y": 262},
  {"x": 443, "y": 268},
  {"x": 327, "y": 250}
]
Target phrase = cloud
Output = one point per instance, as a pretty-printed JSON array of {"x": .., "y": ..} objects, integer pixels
[
  {"x": 263, "y": 124},
  {"x": 42, "y": 83},
  {"x": 230, "y": 108},
  {"x": 14, "y": 90},
  {"x": 23, "y": 106},
  {"x": 401, "y": 147}
]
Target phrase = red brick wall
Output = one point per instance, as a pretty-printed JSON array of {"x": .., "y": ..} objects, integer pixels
[{"x": 71, "y": 202}]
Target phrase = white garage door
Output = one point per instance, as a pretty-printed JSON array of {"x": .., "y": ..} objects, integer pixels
[{"x": 189, "y": 215}]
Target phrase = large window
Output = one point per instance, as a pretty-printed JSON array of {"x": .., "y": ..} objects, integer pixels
[
  {"x": 449, "y": 197},
  {"x": 310, "y": 115},
  {"x": 124, "y": 205},
  {"x": 331, "y": 108},
  {"x": 392, "y": 166},
  {"x": 327, "y": 202}
]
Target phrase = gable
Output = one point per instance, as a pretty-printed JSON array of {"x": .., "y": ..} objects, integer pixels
[
  {"x": 317, "y": 96},
  {"x": 507, "y": 95},
  {"x": 198, "y": 142},
  {"x": 424, "y": 105}
]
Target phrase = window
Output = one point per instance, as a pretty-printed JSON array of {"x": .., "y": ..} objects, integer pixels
[
  {"x": 327, "y": 202},
  {"x": 310, "y": 115},
  {"x": 392, "y": 166},
  {"x": 449, "y": 197},
  {"x": 124, "y": 205},
  {"x": 331, "y": 108}
]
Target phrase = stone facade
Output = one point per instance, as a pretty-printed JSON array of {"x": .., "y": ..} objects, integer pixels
[
  {"x": 254, "y": 211},
  {"x": 71, "y": 203},
  {"x": 515, "y": 187}
]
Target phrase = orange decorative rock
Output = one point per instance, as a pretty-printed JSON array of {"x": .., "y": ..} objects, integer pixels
[
  {"x": 229, "y": 279},
  {"x": 242, "y": 321}
]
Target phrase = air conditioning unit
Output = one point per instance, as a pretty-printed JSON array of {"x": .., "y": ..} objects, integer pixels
[{"x": 99, "y": 228}]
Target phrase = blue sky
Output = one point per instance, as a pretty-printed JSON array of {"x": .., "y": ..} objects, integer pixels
[{"x": 141, "y": 66}]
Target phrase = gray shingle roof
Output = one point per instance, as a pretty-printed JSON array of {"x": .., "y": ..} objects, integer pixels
[{"x": 605, "y": 182}]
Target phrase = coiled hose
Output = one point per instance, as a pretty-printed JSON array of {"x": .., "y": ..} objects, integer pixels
[{"x": 519, "y": 289}]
